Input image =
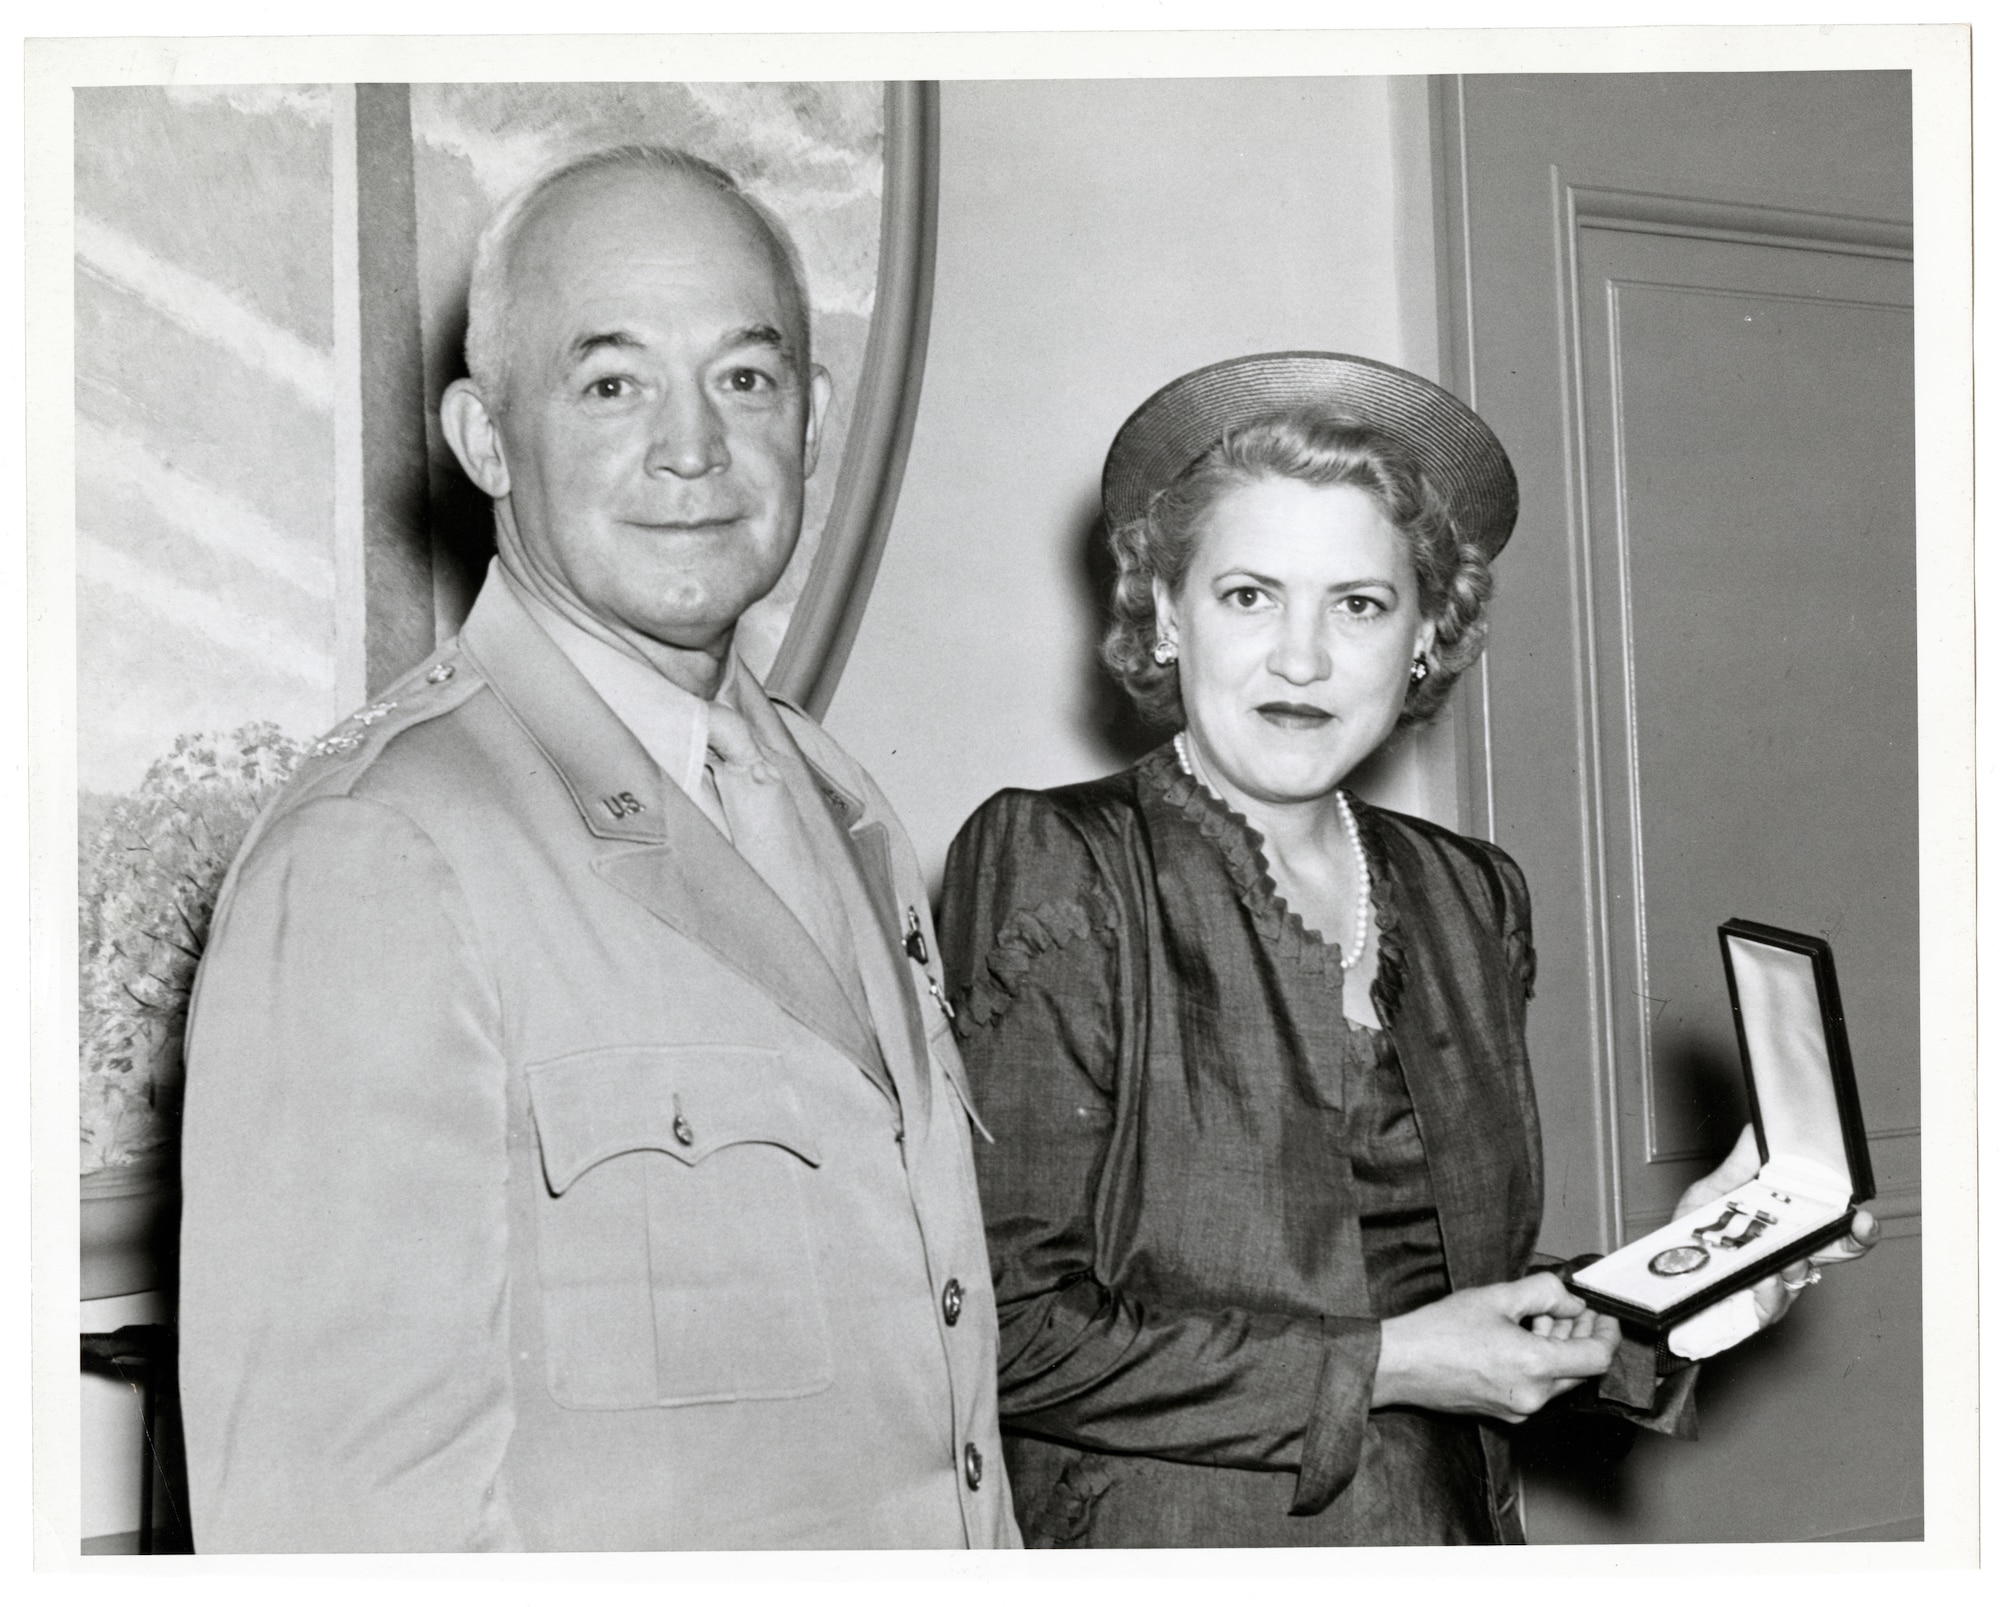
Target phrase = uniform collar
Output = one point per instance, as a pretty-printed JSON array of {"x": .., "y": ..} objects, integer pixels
[
  {"x": 670, "y": 722},
  {"x": 618, "y": 788},
  {"x": 602, "y": 757}
]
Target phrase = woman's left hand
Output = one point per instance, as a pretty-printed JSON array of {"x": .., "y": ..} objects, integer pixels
[{"x": 1775, "y": 1294}]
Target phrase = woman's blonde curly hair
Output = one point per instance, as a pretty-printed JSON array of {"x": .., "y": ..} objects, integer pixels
[{"x": 1318, "y": 447}]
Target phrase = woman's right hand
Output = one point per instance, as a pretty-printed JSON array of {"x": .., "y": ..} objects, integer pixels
[{"x": 1470, "y": 1352}]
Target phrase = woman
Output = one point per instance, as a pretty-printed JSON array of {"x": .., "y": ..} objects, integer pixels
[{"x": 1266, "y": 1177}]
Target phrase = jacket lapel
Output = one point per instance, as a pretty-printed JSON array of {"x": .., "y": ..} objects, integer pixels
[
  {"x": 891, "y": 989},
  {"x": 1456, "y": 1071},
  {"x": 855, "y": 851},
  {"x": 716, "y": 899},
  {"x": 660, "y": 849}
]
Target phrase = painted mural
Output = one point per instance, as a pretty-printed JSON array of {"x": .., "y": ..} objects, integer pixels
[{"x": 205, "y": 574}]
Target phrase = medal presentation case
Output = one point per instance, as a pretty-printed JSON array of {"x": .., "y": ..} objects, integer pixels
[{"x": 1810, "y": 1139}]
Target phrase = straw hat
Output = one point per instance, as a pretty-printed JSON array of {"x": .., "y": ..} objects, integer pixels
[{"x": 1178, "y": 423}]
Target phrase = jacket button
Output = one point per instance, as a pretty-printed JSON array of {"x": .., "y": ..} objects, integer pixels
[
  {"x": 683, "y": 1130},
  {"x": 975, "y": 1466},
  {"x": 954, "y": 1302}
]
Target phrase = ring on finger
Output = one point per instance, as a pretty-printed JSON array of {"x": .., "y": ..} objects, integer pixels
[{"x": 1813, "y": 1275}]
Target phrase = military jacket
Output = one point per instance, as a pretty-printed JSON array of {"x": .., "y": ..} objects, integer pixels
[{"x": 543, "y": 1185}]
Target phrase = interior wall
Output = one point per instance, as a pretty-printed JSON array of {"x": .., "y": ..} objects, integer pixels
[{"x": 1096, "y": 239}]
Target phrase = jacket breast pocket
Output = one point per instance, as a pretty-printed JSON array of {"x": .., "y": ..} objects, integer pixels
[{"x": 676, "y": 1261}]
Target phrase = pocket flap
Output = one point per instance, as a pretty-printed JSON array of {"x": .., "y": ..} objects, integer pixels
[{"x": 687, "y": 1102}]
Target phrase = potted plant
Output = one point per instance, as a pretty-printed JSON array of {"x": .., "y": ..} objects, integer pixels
[{"x": 150, "y": 874}]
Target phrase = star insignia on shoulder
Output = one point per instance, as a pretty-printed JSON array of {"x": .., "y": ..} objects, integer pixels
[{"x": 342, "y": 738}]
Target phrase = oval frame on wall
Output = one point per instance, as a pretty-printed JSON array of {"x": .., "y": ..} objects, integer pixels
[{"x": 822, "y": 628}]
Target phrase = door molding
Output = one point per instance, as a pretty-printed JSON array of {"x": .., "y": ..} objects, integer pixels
[
  {"x": 1610, "y": 800},
  {"x": 1747, "y": 222}
]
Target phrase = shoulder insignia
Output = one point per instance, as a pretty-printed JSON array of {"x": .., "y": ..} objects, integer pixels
[
  {"x": 347, "y": 736},
  {"x": 343, "y": 738},
  {"x": 409, "y": 695}
]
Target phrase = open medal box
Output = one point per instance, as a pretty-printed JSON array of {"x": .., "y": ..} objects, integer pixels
[{"x": 1807, "y": 1117}]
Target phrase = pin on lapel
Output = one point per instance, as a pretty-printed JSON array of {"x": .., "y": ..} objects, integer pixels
[
  {"x": 943, "y": 1003},
  {"x": 918, "y": 950}
]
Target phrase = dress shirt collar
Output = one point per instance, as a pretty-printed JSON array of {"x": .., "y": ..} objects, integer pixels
[{"x": 670, "y": 722}]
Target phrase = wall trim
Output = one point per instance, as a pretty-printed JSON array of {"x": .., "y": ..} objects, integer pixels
[
  {"x": 1595, "y": 759},
  {"x": 1471, "y": 708},
  {"x": 1747, "y": 222}
]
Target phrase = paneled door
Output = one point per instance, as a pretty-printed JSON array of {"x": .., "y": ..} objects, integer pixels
[{"x": 1685, "y": 305}]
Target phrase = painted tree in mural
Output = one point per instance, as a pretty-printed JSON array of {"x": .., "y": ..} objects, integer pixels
[{"x": 150, "y": 878}]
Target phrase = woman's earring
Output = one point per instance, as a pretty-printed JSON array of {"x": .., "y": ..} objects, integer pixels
[
  {"x": 1420, "y": 670},
  {"x": 1164, "y": 652}
]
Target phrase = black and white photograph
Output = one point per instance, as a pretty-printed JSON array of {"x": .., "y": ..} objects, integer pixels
[{"x": 1083, "y": 797}]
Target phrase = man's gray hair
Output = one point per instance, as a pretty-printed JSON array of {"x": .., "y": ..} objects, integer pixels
[{"x": 488, "y": 310}]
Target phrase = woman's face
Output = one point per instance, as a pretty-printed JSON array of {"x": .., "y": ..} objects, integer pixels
[{"x": 1297, "y": 623}]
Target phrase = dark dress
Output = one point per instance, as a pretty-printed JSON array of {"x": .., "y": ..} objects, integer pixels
[{"x": 1207, "y": 1186}]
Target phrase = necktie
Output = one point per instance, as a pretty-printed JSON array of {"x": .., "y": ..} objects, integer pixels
[{"x": 764, "y": 824}]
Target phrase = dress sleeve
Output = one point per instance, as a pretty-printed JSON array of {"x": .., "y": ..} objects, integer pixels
[
  {"x": 344, "y": 1356},
  {"x": 1037, "y": 950}
]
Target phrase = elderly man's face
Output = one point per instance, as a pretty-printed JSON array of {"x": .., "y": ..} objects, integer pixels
[{"x": 659, "y": 424}]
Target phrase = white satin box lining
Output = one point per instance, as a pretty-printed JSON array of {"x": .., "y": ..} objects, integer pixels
[{"x": 1797, "y": 1195}]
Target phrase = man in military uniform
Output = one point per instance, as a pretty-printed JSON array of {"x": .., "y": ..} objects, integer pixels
[{"x": 576, "y": 1154}]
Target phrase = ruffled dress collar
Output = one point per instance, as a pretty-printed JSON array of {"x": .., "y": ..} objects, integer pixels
[{"x": 1241, "y": 848}]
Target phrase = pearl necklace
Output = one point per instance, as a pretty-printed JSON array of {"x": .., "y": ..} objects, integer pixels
[{"x": 1363, "y": 882}]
